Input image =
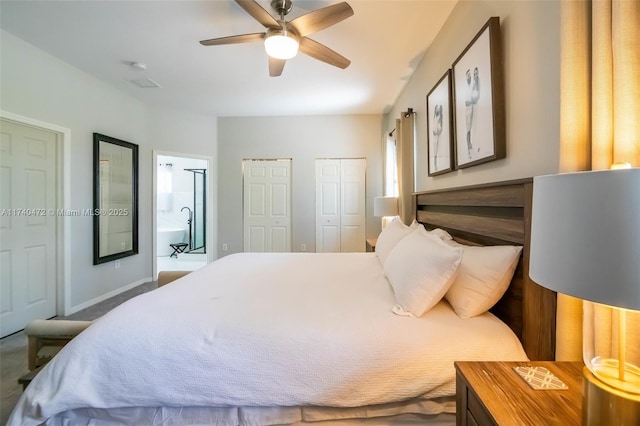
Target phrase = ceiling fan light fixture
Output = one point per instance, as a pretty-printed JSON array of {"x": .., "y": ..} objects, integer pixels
[
  {"x": 281, "y": 44},
  {"x": 282, "y": 39}
]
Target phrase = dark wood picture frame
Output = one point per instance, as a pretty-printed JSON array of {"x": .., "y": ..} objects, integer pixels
[
  {"x": 478, "y": 90},
  {"x": 440, "y": 127},
  {"x": 115, "y": 199}
]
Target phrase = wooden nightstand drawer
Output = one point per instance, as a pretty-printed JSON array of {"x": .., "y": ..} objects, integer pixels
[
  {"x": 471, "y": 421},
  {"x": 476, "y": 413}
]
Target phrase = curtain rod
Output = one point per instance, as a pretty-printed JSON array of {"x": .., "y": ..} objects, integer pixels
[{"x": 406, "y": 114}]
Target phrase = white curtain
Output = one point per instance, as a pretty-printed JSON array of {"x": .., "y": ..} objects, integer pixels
[
  {"x": 390, "y": 166},
  {"x": 599, "y": 111}
]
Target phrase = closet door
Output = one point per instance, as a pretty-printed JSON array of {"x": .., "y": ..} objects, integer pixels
[
  {"x": 28, "y": 225},
  {"x": 267, "y": 205},
  {"x": 328, "y": 207},
  {"x": 353, "y": 205},
  {"x": 340, "y": 205}
]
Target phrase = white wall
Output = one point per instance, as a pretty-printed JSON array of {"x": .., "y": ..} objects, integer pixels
[
  {"x": 187, "y": 134},
  {"x": 302, "y": 139},
  {"x": 531, "y": 52},
  {"x": 39, "y": 86}
]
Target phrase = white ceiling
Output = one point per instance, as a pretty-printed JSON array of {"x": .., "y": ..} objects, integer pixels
[{"x": 385, "y": 41}]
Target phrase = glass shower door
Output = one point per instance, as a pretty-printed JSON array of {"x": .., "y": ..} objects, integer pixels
[{"x": 198, "y": 241}]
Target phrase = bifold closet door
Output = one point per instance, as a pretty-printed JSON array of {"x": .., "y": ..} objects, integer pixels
[
  {"x": 267, "y": 205},
  {"x": 340, "y": 205}
]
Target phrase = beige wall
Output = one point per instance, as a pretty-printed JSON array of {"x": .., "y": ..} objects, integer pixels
[
  {"x": 303, "y": 139},
  {"x": 531, "y": 52}
]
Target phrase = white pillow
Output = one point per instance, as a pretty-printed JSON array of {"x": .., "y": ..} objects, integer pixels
[
  {"x": 483, "y": 277},
  {"x": 389, "y": 237},
  {"x": 421, "y": 268},
  {"x": 415, "y": 225},
  {"x": 442, "y": 234}
]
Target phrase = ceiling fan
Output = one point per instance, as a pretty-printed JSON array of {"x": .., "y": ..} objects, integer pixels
[{"x": 283, "y": 39}]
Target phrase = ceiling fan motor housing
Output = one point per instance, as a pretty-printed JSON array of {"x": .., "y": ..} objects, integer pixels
[{"x": 282, "y": 7}]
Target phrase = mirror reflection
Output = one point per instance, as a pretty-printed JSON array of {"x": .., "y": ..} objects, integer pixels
[{"x": 115, "y": 198}]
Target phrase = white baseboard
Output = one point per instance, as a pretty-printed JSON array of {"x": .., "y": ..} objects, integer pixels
[{"x": 106, "y": 296}]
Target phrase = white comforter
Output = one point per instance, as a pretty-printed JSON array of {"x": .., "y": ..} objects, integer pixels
[{"x": 265, "y": 330}]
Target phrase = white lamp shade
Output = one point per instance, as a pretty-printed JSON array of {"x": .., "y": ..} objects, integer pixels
[
  {"x": 385, "y": 206},
  {"x": 585, "y": 235}
]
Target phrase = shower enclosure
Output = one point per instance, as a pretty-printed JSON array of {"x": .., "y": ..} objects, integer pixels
[{"x": 198, "y": 224}]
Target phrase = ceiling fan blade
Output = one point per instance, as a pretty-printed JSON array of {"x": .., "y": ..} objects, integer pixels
[
  {"x": 276, "y": 66},
  {"x": 258, "y": 13},
  {"x": 322, "y": 18},
  {"x": 323, "y": 53},
  {"x": 243, "y": 38}
]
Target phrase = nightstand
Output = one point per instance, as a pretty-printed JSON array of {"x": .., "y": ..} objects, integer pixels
[
  {"x": 492, "y": 393},
  {"x": 371, "y": 244}
]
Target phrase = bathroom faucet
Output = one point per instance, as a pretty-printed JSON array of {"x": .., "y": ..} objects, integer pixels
[
  {"x": 189, "y": 225},
  {"x": 190, "y": 214}
]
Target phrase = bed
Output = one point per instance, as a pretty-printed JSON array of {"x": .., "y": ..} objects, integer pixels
[{"x": 241, "y": 341}]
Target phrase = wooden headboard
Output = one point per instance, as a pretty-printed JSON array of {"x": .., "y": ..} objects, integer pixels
[{"x": 495, "y": 214}]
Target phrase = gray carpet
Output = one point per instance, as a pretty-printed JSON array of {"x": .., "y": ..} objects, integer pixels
[{"x": 13, "y": 348}]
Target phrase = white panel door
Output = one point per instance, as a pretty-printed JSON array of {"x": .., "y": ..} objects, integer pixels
[
  {"x": 28, "y": 264},
  {"x": 327, "y": 206},
  {"x": 353, "y": 212},
  {"x": 340, "y": 205},
  {"x": 267, "y": 205}
]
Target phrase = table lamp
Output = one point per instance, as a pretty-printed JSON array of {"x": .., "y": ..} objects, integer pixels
[
  {"x": 585, "y": 242},
  {"x": 386, "y": 208}
]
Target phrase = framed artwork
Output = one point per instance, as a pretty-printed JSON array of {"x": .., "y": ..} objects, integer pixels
[
  {"x": 440, "y": 127},
  {"x": 478, "y": 90}
]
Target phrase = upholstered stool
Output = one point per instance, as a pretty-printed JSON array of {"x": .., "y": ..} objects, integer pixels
[
  {"x": 47, "y": 337},
  {"x": 165, "y": 277}
]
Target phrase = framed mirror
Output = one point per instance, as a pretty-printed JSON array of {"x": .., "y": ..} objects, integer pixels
[{"x": 115, "y": 199}]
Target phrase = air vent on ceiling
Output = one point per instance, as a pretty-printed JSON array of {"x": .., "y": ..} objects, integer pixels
[{"x": 145, "y": 83}]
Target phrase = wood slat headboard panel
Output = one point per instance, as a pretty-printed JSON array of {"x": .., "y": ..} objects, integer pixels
[{"x": 495, "y": 214}]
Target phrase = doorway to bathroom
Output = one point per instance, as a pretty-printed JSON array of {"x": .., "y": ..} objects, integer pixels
[{"x": 181, "y": 201}]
